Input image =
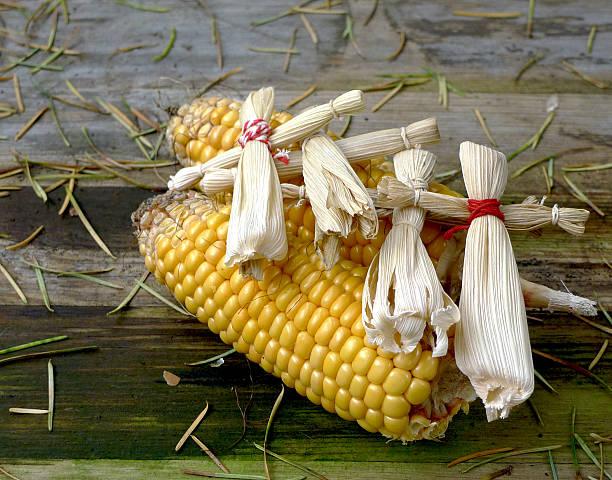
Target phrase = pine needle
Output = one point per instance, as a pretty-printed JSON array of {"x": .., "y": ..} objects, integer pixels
[
  {"x": 40, "y": 280},
  {"x": 217, "y": 80},
  {"x": 535, "y": 411},
  {"x": 530, "y": 63},
  {"x": 291, "y": 46},
  {"x": 302, "y": 96},
  {"x": 126, "y": 301},
  {"x": 60, "y": 130},
  {"x": 573, "y": 443},
  {"x": 212, "y": 359},
  {"x": 346, "y": 126},
  {"x": 7, "y": 474},
  {"x": 131, "y": 48},
  {"x": 398, "y": 51},
  {"x": 28, "y": 411},
  {"x": 310, "y": 29},
  {"x": 30, "y": 123},
  {"x": 90, "y": 229},
  {"x": 585, "y": 448},
  {"x": 463, "y": 13},
  {"x": 601, "y": 307},
  {"x": 16, "y": 63},
  {"x": 26, "y": 241},
  {"x": 275, "y": 408},
  {"x": 164, "y": 300},
  {"x": 85, "y": 275},
  {"x": 573, "y": 366},
  {"x": 33, "y": 344},
  {"x": 316, "y": 11},
  {"x": 587, "y": 78},
  {"x": 53, "y": 32},
  {"x": 216, "y": 39},
  {"x": 388, "y": 97},
  {"x": 370, "y": 16},
  {"x": 483, "y": 453},
  {"x": 580, "y": 195},
  {"x": 599, "y": 439},
  {"x": 166, "y": 51},
  {"x": 586, "y": 168},
  {"x": 142, "y": 7},
  {"x": 191, "y": 428},
  {"x": 122, "y": 176},
  {"x": 70, "y": 187},
  {"x": 50, "y": 353},
  {"x": 551, "y": 462},
  {"x": 51, "y": 395},
  {"x": 11, "y": 172},
  {"x": 530, "y": 17},
  {"x": 229, "y": 476},
  {"x": 600, "y": 354},
  {"x": 511, "y": 454},
  {"x": 304, "y": 469},
  {"x": 18, "y": 96},
  {"x": 286, "y": 13},
  {"x": 13, "y": 284},
  {"x": 534, "y": 141},
  {"x": 210, "y": 454},
  {"x": 485, "y": 128},
  {"x": 596, "y": 325},
  {"x": 46, "y": 64},
  {"x": 289, "y": 51},
  {"x": 591, "y": 39}
]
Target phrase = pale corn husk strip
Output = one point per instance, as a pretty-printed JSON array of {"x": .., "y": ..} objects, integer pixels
[
  {"x": 492, "y": 340},
  {"x": 402, "y": 292},
  {"x": 539, "y": 296},
  {"x": 338, "y": 198},
  {"x": 355, "y": 149},
  {"x": 256, "y": 228},
  {"x": 529, "y": 215},
  {"x": 294, "y": 130}
]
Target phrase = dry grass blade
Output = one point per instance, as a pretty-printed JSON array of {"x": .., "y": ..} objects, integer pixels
[
  {"x": 40, "y": 280},
  {"x": 210, "y": 454},
  {"x": 131, "y": 48},
  {"x": 275, "y": 408},
  {"x": 591, "y": 39},
  {"x": 36, "y": 343},
  {"x": 228, "y": 476},
  {"x": 216, "y": 39},
  {"x": 535, "y": 411},
  {"x": 125, "y": 121},
  {"x": 482, "y": 453},
  {"x": 398, "y": 51},
  {"x": 142, "y": 7},
  {"x": 294, "y": 101},
  {"x": 310, "y": 29},
  {"x": 11, "y": 172},
  {"x": 587, "y": 78},
  {"x": 50, "y": 353},
  {"x": 212, "y": 359},
  {"x": 304, "y": 469},
  {"x": 506, "y": 471},
  {"x": 601, "y": 307},
  {"x": 126, "y": 301},
  {"x": 168, "y": 48},
  {"x": 51, "y": 378},
  {"x": 553, "y": 467},
  {"x": 599, "y": 439},
  {"x": 541, "y": 378},
  {"x": 164, "y": 300},
  {"x": 589, "y": 453},
  {"x": 594, "y": 324},
  {"x": 573, "y": 366},
  {"x": 46, "y": 64},
  {"x": 28, "y": 411},
  {"x": 535, "y": 139},
  {"x": 388, "y": 96},
  {"x": 530, "y": 17},
  {"x": 218, "y": 80},
  {"x": 586, "y": 168},
  {"x": 10, "y": 66},
  {"x": 155, "y": 127},
  {"x": 191, "y": 428},
  {"x": 370, "y": 16},
  {"x": 124, "y": 177},
  {"x": 86, "y": 103},
  {"x": 60, "y": 130},
  {"x": 86, "y": 223},
  {"x": 464, "y": 13},
  {"x": 600, "y": 354},
  {"x": 511, "y": 454},
  {"x": 580, "y": 195},
  {"x": 7, "y": 474},
  {"x": 290, "y": 51},
  {"x": 290, "y": 48},
  {"x": 53, "y": 32},
  {"x": 13, "y": 284},
  {"x": 286, "y": 13},
  {"x": 530, "y": 63},
  {"x": 18, "y": 96},
  {"x": 573, "y": 443},
  {"x": 485, "y": 128},
  {"x": 26, "y": 241},
  {"x": 317, "y": 11},
  {"x": 548, "y": 178},
  {"x": 70, "y": 187},
  {"x": 30, "y": 123}
]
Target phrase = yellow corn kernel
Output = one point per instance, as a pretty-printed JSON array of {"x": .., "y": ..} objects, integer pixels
[
  {"x": 326, "y": 330},
  {"x": 427, "y": 368},
  {"x": 379, "y": 370},
  {"x": 358, "y": 386},
  {"x": 339, "y": 338},
  {"x": 357, "y": 408},
  {"x": 407, "y": 361},
  {"x": 343, "y": 398},
  {"x": 304, "y": 344},
  {"x": 331, "y": 364},
  {"x": 363, "y": 361},
  {"x": 374, "y": 396},
  {"x": 418, "y": 391},
  {"x": 395, "y": 406},
  {"x": 345, "y": 375},
  {"x": 397, "y": 381}
]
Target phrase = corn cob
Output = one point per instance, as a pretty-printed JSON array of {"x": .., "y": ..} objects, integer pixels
[
  {"x": 206, "y": 127},
  {"x": 300, "y": 322}
]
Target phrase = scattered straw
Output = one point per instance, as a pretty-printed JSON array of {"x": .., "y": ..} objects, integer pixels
[
  {"x": 126, "y": 301},
  {"x": 304, "y": 469},
  {"x": 534, "y": 141},
  {"x": 530, "y": 17},
  {"x": 70, "y": 187},
  {"x": 310, "y": 29},
  {"x": 90, "y": 229},
  {"x": 51, "y": 395},
  {"x": 589, "y": 453},
  {"x": 28, "y": 411},
  {"x": 290, "y": 48},
  {"x": 166, "y": 51},
  {"x": 381, "y": 103},
  {"x": 38, "y": 190},
  {"x": 40, "y": 280},
  {"x": 30, "y": 123},
  {"x": 286, "y": 13},
  {"x": 84, "y": 275},
  {"x": 50, "y": 353},
  {"x": 580, "y": 195},
  {"x": 587, "y": 78},
  {"x": 482, "y": 453},
  {"x": 26, "y": 241},
  {"x": 53, "y": 32},
  {"x": 18, "y": 96},
  {"x": 56, "y": 120},
  {"x": 218, "y": 80},
  {"x": 191, "y": 428},
  {"x": 275, "y": 408},
  {"x": 210, "y": 454},
  {"x": 171, "y": 379},
  {"x": 212, "y": 359},
  {"x": 33, "y": 344},
  {"x": 591, "y": 39},
  {"x": 511, "y": 454},
  {"x": 464, "y": 13},
  {"x": 164, "y": 300},
  {"x": 398, "y": 51},
  {"x": 600, "y": 354},
  {"x": 46, "y": 64},
  {"x": 142, "y": 7},
  {"x": 13, "y": 284},
  {"x": 530, "y": 63},
  {"x": 485, "y": 128},
  {"x": 302, "y": 96}
]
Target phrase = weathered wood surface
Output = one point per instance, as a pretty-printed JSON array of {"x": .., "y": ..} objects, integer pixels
[{"x": 116, "y": 417}]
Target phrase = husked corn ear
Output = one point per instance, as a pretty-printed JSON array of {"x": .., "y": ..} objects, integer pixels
[
  {"x": 206, "y": 127},
  {"x": 300, "y": 322}
]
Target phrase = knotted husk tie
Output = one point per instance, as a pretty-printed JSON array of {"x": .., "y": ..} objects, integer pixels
[
  {"x": 402, "y": 292},
  {"x": 339, "y": 200},
  {"x": 492, "y": 340},
  {"x": 256, "y": 228}
]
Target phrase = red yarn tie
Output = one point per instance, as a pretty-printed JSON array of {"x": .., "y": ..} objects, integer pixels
[
  {"x": 259, "y": 130},
  {"x": 477, "y": 208}
]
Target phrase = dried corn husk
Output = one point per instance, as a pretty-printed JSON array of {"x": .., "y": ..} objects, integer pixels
[
  {"x": 402, "y": 292},
  {"x": 256, "y": 228},
  {"x": 338, "y": 198},
  {"x": 529, "y": 215},
  {"x": 539, "y": 296},
  {"x": 294, "y": 130},
  {"x": 355, "y": 149},
  {"x": 492, "y": 340}
]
